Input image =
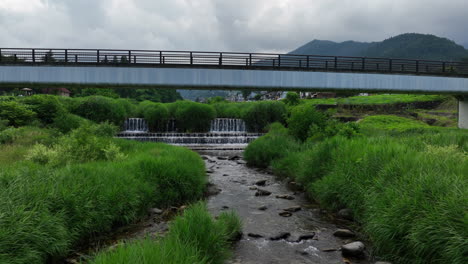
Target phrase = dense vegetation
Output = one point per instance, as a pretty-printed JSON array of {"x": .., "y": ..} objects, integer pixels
[
  {"x": 405, "y": 182},
  {"x": 411, "y": 46},
  {"x": 193, "y": 238}
]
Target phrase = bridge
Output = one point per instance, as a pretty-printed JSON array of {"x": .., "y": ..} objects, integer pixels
[{"x": 232, "y": 71}]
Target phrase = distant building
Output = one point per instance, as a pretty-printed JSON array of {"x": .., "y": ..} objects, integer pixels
[
  {"x": 57, "y": 91},
  {"x": 27, "y": 92}
]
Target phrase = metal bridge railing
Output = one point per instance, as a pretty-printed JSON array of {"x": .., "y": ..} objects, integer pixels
[{"x": 155, "y": 58}]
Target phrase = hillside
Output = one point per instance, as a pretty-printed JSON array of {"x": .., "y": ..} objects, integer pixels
[{"x": 409, "y": 46}]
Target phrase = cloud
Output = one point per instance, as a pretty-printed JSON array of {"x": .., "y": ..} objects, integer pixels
[{"x": 241, "y": 25}]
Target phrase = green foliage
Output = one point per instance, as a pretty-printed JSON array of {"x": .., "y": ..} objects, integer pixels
[
  {"x": 47, "y": 210},
  {"x": 3, "y": 124},
  {"x": 305, "y": 121},
  {"x": 408, "y": 191},
  {"x": 101, "y": 109},
  {"x": 68, "y": 122},
  {"x": 192, "y": 238},
  {"x": 378, "y": 99},
  {"x": 230, "y": 110},
  {"x": 16, "y": 113},
  {"x": 216, "y": 99},
  {"x": 260, "y": 114},
  {"x": 156, "y": 114},
  {"x": 274, "y": 145},
  {"x": 98, "y": 91},
  {"x": 292, "y": 98},
  {"x": 46, "y": 107},
  {"x": 194, "y": 117},
  {"x": 390, "y": 122}
]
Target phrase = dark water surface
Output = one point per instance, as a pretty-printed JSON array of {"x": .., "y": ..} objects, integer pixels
[{"x": 236, "y": 183}]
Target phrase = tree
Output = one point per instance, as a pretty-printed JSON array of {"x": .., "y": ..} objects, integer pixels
[{"x": 292, "y": 98}]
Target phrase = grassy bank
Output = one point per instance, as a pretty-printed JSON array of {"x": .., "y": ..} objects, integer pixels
[
  {"x": 59, "y": 193},
  {"x": 192, "y": 238},
  {"x": 408, "y": 190}
]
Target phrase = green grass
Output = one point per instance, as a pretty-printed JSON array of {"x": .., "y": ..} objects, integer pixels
[
  {"x": 391, "y": 122},
  {"x": 409, "y": 191},
  {"x": 45, "y": 211},
  {"x": 377, "y": 99},
  {"x": 192, "y": 238}
]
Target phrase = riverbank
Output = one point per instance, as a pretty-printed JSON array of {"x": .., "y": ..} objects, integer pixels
[{"x": 407, "y": 190}]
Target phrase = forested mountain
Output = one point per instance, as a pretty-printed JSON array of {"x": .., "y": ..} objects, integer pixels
[{"x": 410, "y": 45}]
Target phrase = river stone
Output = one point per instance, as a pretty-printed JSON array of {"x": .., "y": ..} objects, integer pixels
[
  {"x": 222, "y": 158},
  {"x": 241, "y": 162},
  {"x": 261, "y": 183},
  {"x": 285, "y": 214},
  {"x": 225, "y": 175},
  {"x": 293, "y": 209},
  {"x": 155, "y": 211},
  {"x": 253, "y": 188},
  {"x": 285, "y": 196},
  {"x": 346, "y": 214},
  {"x": 225, "y": 207},
  {"x": 282, "y": 235},
  {"x": 344, "y": 233},
  {"x": 261, "y": 192},
  {"x": 354, "y": 249},
  {"x": 306, "y": 237},
  {"x": 209, "y": 171},
  {"x": 263, "y": 208},
  {"x": 254, "y": 235},
  {"x": 235, "y": 157}
]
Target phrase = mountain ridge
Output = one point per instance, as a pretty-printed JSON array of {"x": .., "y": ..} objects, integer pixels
[{"x": 408, "y": 45}]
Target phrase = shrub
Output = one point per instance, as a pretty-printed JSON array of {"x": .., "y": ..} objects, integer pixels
[
  {"x": 258, "y": 115},
  {"x": 101, "y": 109},
  {"x": 16, "y": 113},
  {"x": 156, "y": 114},
  {"x": 194, "y": 117},
  {"x": 129, "y": 106},
  {"x": 67, "y": 122},
  {"x": 46, "y": 107},
  {"x": 3, "y": 124},
  {"x": 305, "y": 121},
  {"x": 274, "y": 145},
  {"x": 292, "y": 98}
]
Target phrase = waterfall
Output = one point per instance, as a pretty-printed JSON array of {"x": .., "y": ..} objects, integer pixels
[
  {"x": 135, "y": 125},
  {"x": 224, "y": 131},
  {"x": 227, "y": 125}
]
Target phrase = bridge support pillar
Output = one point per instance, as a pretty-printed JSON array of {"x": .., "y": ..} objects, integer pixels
[{"x": 463, "y": 112}]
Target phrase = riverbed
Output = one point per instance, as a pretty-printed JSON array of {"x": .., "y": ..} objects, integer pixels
[{"x": 304, "y": 234}]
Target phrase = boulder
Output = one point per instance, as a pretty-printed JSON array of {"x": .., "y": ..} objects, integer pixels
[
  {"x": 285, "y": 214},
  {"x": 344, "y": 233},
  {"x": 261, "y": 183},
  {"x": 293, "y": 209},
  {"x": 354, "y": 249},
  {"x": 263, "y": 208},
  {"x": 285, "y": 196}
]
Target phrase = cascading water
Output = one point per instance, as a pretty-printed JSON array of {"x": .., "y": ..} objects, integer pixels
[
  {"x": 224, "y": 131},
  {"x": 227, "y": 125},
  {"x": 135, "y": 125}
]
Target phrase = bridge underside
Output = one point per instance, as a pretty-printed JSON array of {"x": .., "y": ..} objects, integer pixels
[{"x": 222, "y": 79}]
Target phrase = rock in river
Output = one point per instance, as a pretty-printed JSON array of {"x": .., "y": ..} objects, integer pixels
[
  {"x": 254, "y": 235},
  {"x": 282, "y": 235},
  {"x": 261, "y": 192},
  {"x": 285, "y": 214},
  {"x": 344, "y": 233},
  {"x": 293, "y": 209},
  {"x": 346, "y": 214},
  {"x": 354, "y": 249},
  {"x": 261, "y": 183},
  {"x": 285, "y": 196}
]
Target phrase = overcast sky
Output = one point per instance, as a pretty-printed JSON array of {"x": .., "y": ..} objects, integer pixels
[{"x": 227, "y": 25}]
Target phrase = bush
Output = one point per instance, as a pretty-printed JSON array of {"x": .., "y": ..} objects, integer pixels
[
  {"x": 16, "y": 113},
  {"x": 46, "y": 107},
  {"x": 274, "y": 145},
  {"x": 292, "y": 98},
  {"x": 194, "y": 117},
  {"x": 68, "y": 122},
  {"x": 101, "y": 109},
  {"x": 258, "y": 115},
  {"x": 305, "y": 121},
  {"x": 156, "y": 114},
  {"x": 192, "y": 238},
  {"x": 3, "y": 124}
]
